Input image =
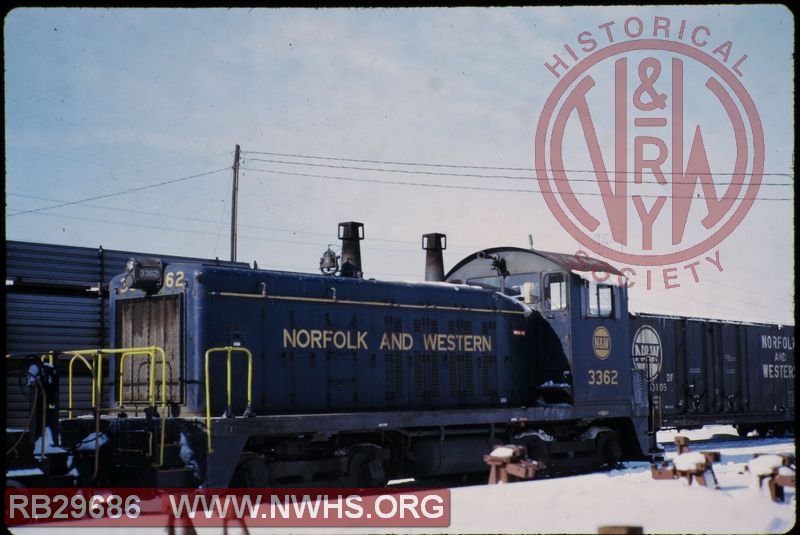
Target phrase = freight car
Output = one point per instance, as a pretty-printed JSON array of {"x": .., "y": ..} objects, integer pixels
[
  {"x": 704, "y": 372},
  {"x": 226, "y": 375}
]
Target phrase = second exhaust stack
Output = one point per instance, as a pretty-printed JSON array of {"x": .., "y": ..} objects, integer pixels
[
  {"x": 434, "y": 244},
  {"x": 351, "y": 233}
]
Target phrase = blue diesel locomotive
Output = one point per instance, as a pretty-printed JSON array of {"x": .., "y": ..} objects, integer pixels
[{"x": 231, "y": 376}]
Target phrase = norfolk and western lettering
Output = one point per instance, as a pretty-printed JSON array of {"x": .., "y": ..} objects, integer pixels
[{"x": 394, "y": 341}]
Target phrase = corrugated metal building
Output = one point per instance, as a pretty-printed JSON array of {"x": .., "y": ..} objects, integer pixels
[{"x": 56, "y": 300}]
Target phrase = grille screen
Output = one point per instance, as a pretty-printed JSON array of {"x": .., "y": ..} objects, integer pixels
[{"x": 150, "y": 322}]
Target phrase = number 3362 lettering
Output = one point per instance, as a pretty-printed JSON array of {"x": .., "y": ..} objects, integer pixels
[{"x": 603, "y": 377}]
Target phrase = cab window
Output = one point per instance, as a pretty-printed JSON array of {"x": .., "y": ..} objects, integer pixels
[
  {"x": 554, "y": 291},
  {"x": 600, "y": 300},
  {"x": 524, "y": 287}
]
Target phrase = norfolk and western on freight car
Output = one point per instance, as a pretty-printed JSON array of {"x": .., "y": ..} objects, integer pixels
[{"x": 255, "y": 377}]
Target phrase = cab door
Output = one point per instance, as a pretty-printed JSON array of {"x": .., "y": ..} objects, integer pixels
[
  {"x": 600, "y": 349},
  {"x": 555, "y": 309}
]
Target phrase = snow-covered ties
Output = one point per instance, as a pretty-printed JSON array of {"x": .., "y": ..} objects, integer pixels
[
  {"x": 503, "y": 452},
  {"x": 778, "y": 470},
  {"x": 510, "y": 463},
  {"x": 693, "y": 465},
  {"x": 689, "y": 461}
]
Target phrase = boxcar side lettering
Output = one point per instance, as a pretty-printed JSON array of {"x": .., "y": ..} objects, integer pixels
[{"x": 778, "y": 371}]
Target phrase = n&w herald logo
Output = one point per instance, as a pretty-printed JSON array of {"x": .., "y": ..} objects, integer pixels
[
  {"x": 646, "y": 351},
  {"x": 649, "y": 151}
]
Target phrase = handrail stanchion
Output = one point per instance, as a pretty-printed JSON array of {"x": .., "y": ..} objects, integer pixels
[
  {"x": 121, "y": 397},
  {"x": 129, "y": 352},
  {"x": 208, "y": 402},
  {"x": 96, "y": 369},
  {"x": 78, "y": 355},
  {"x": 229, "y": 409},
  {"x": 229, "y": 350},
  {"x": 163, "y": 399}
]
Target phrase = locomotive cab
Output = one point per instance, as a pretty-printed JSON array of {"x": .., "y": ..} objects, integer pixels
[{"x": 577, "y": 318}]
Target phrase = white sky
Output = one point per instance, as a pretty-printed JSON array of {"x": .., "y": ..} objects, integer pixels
[{"x": 104, "y": 101}]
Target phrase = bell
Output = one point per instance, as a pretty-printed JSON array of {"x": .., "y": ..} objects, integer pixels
[{"x": 329, "y": 263}]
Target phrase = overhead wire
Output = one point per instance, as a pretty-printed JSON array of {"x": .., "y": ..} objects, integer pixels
[
  {"x": 353, "y": 179},
  {"x": 222, "y": 223},
  {"x": 367, "y": 247},
  {"x": 118, "y": 193},
  {"x": 474, "y": 188},
  {"x": 367, "y": 180},
  {"x": 456, "y": 166},
  {"x": 130, "y": 170},
  {"x": 477, "y": 175},
  {"x": 207, "y": 233},
  {"x": 258, "y": 238}
]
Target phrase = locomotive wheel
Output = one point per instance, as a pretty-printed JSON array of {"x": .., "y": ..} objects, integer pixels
[
  {"x": 537, "y": 450},
  {"x": 608, "y": 449},
  {"x": 743, "y": 430},
  {"x": 365, "y": 471},
  {"x": 251, "y": 473}
]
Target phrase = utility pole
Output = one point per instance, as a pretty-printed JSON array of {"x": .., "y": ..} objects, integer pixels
[{"x": 235, "y": 197}]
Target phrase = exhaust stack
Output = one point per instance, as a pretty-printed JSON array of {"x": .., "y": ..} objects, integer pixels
[
  {"x": 434, "y": 244},
  {"x": 351, "y": 233}
]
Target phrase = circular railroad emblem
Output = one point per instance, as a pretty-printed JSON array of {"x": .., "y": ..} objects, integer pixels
[
  {"x": 646, "y": 351},
  {"x": 627, "y": 168},
  {"x": 601, "y": 343}
]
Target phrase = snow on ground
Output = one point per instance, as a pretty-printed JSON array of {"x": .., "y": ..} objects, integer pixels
[{"x": 629, "y": 496}]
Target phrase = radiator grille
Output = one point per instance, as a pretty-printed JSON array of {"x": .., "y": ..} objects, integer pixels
[{"x": 150, "y": 322}]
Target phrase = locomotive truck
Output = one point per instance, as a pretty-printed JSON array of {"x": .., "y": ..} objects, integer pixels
[{"x": 234, "y": 376}]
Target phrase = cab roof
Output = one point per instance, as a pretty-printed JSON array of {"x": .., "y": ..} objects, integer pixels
[{"x": 519, "y": 261}]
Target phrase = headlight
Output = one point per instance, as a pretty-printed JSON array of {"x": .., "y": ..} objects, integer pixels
[
  {"x": 144, "y": 274},
  {"x": 128, "y": 280}
]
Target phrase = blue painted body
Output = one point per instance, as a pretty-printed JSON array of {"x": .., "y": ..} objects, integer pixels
[{"x": 265, "y": 311}]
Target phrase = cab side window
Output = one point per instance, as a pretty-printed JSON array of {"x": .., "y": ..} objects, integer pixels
[
  {"x": 554, "y": 291},
  {"x": 600, "y": 300},
  {"x": 524, "y": 287}
]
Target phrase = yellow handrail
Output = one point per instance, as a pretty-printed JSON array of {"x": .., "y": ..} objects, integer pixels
[
  {"x": 79, "y": 355},
  {"x": 149, "y": 352},
  {"x": 49, "y": 356},
  {"x": 151, "y": 390},
  {"x": 124, "y": 352},
  {"x": 228, "y": 350}
]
